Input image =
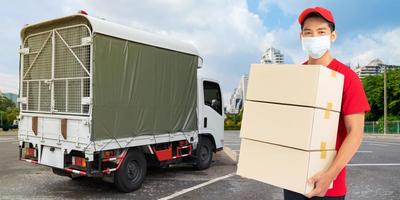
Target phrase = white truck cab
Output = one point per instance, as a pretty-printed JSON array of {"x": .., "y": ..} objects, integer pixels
[{"x": 211, "y": 114}]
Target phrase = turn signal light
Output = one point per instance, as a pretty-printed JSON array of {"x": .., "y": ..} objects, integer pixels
[
  {"x": 30, "y": 152},
  {"x": 78, "y": 161}
]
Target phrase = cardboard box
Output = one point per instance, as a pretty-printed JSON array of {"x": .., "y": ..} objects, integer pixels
[
  {"x": 281, "y": 166},
  {"x": 293, "y": 126},
  {"x": 304, "y": 85}
]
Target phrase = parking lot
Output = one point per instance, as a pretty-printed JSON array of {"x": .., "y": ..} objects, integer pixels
[{"x": 373, "y": 174}]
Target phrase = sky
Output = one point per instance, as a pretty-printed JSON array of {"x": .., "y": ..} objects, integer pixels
[{"x": 229, "y": 34}]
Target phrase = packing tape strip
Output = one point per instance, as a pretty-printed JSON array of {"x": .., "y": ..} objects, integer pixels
[
  {"x": 323, "y": 150},
  {"x": 328, "y": 109}
]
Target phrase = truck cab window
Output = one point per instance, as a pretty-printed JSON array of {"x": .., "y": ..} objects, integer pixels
[{"x": 212, "y": 96}]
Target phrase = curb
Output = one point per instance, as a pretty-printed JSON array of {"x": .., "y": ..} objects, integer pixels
[
  {"x": 232, "y": 130},
  {"x": 8, "y": 134},
  {"x": 231, "y": 154}
]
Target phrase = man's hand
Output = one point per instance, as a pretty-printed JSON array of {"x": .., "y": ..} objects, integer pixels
[
  {"x": 321, "y": 181},
  {"x": 355, "y": 128}
]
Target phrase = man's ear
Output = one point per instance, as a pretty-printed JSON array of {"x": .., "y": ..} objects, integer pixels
[
  {"x": 333, "y": 36},
  {"x": 300, "y": 35}
]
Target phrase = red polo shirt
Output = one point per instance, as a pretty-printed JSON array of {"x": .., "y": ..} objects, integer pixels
[{"x": 354, "y": 101}]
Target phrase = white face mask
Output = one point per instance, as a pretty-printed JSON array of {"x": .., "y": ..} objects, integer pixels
[{"x": 316, "y": 47}]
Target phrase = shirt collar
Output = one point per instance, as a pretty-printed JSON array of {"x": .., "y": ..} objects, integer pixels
[{"x": 332, "y": 65}]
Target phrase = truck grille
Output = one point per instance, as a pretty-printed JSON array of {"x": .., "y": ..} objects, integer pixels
[{"x": 56, "y": 71}]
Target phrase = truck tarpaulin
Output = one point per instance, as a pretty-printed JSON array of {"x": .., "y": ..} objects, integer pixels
[{"x": 141, "y": 90}]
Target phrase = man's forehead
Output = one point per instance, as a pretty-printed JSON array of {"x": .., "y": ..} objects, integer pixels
[
  {"x": 315, "y": 28},
  {"x": 315, "y": 23}
]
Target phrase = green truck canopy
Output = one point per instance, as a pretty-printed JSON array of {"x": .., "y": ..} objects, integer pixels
[{"x": 141, "y": 90}]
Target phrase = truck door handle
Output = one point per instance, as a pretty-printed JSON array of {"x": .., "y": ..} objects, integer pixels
[{"x": 205, "y": 122}]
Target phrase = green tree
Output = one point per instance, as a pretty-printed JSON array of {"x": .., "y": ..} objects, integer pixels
[
  {"x": 373, "y": 86},
  {"x": 233, "y": 121},
  {"x": 8, "y": 112},
  {"x": 6, "y": 103}
]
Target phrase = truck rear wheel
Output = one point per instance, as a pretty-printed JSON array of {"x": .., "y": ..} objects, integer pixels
[
  {"x": 204, "y": 154},
  {"x": 132, "y": 172}
]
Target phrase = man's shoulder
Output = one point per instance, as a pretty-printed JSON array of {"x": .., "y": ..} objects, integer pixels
[{"x": 345, "y": 70}]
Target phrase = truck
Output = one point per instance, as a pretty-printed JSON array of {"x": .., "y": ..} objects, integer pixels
[{"x": 99, "y": 99}]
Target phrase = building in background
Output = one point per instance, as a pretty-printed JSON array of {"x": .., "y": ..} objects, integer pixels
[
  {"x": 238, "y": 96},
  {"x": 272, "y": 56},
  {"x": 374, "y": 67}
]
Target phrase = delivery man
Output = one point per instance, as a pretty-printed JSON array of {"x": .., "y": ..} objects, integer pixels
[{"x": 317, "y": 35}]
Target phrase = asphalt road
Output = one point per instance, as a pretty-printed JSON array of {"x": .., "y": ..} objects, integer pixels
[
  {"x": 373, "y": 173},
  {"x": 21, "y": 180}
]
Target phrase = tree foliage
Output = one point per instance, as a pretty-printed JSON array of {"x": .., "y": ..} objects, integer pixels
[
  {"x": 8, "y": 112},
  {"x": 6, "y": 103},
  {"x": 373, "y": 86},
  {"x": 233, "y": 121}
]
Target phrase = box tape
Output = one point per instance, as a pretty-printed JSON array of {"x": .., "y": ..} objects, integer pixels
[
  {"x": 322, "y": 148},
  {"x": 328, "y": 110}
]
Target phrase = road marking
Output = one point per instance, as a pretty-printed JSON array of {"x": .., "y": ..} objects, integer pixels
[
  {"x": 383, "y": 143},
  {"x": 374, "y": 164},
  {"x": 197, "y": 187},
  {"x": 237, "y": 144},
  {"x": 239, "y": 150},
  {"x": 364, "y": 151}
]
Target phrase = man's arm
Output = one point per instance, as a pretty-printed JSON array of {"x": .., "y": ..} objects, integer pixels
[{"x": 354, "y": 124}]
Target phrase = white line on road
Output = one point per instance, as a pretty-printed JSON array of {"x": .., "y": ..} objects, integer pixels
[
  {"x": 374, "y": 164},
  {"x": 364, "y": 151},
  {"x": 383, "y": 143},
  {"x": 196, "y": 187}
]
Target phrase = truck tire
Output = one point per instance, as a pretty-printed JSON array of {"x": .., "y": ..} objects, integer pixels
[
  {"x": 131, "y": 174},
  {"x": 204, "y": 154}
]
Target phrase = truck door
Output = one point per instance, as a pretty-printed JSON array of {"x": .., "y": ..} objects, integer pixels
[
  {"x": 213, "y": 120},
  {"x": 55, "y": 71}
]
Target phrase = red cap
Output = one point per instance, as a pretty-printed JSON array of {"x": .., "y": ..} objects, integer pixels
[
  {"x": 82, "y": 12},
  {"x": 325, "y": 13}
]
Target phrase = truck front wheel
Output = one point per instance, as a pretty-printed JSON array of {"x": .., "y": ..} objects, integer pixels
[
  {"x": 132, "y": 172},
  {"x": 204, "y": 154}
]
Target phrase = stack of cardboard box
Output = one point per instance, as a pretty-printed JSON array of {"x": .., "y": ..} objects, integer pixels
[{"x": 289, "y": 124}]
